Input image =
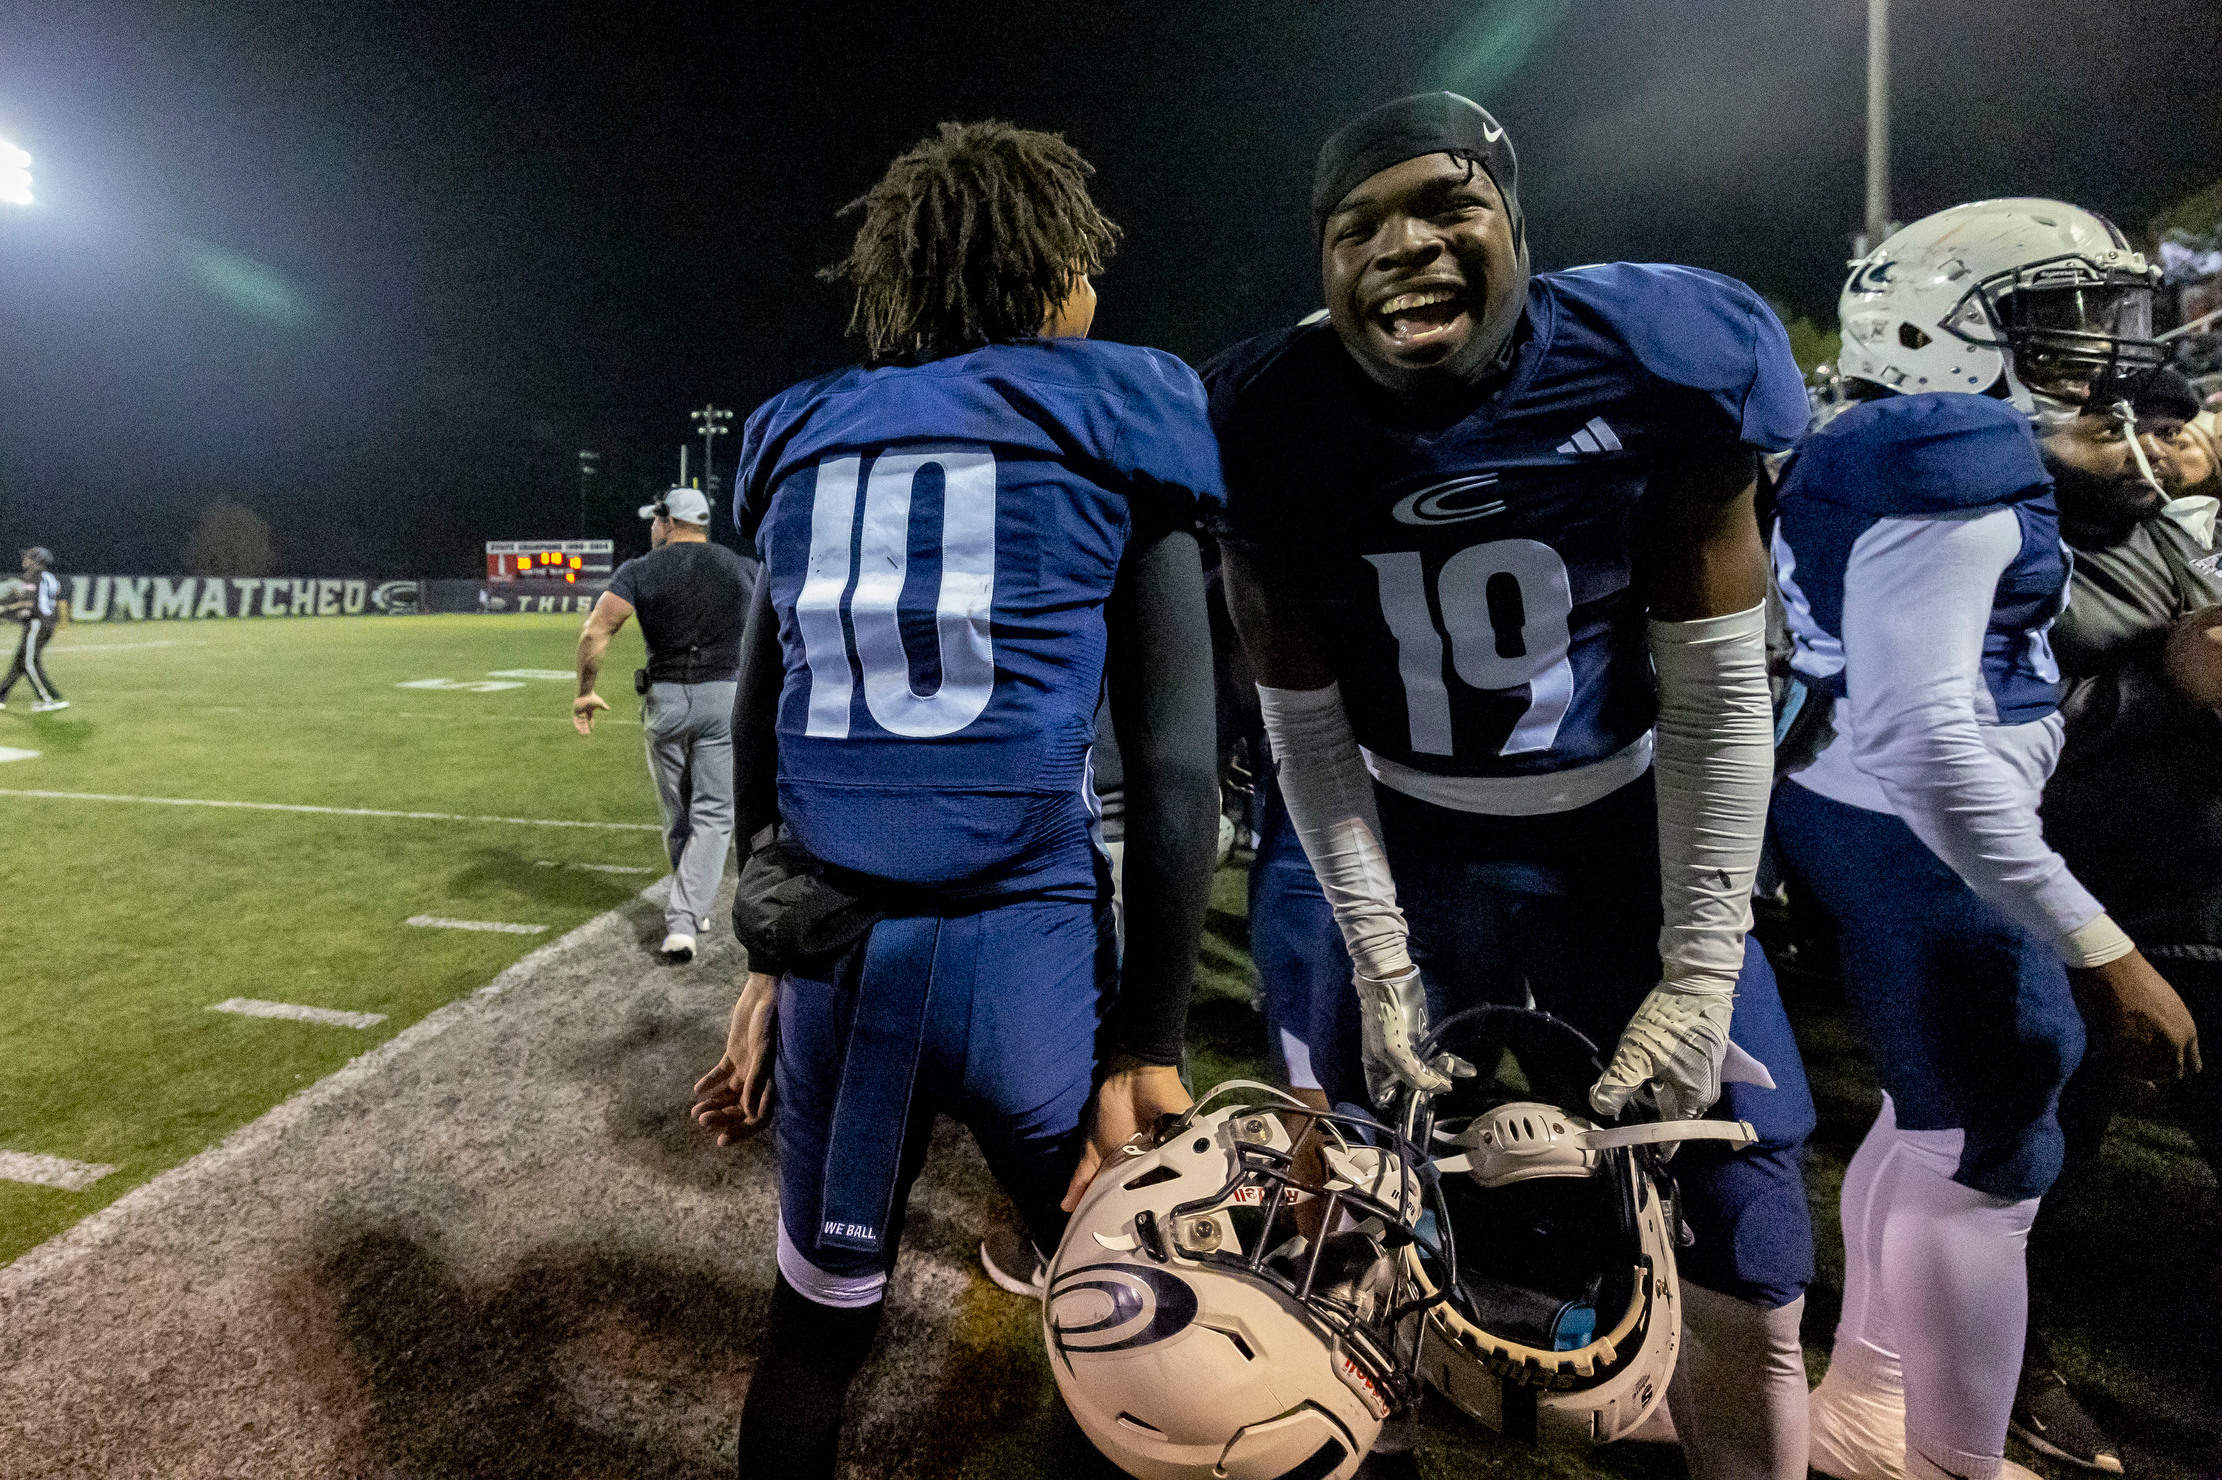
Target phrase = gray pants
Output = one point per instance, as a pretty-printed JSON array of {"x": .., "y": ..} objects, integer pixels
[{"x": 689, "y": 729}]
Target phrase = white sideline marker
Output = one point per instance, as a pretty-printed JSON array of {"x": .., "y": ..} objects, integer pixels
[
  {"x": 594, "y": 868},
  {"x": 458, "y": 686},
  {"x": 437, "y": 922},
  {"x": 249, "y": 1007},
  {"x": 10, "y": 753},
  {"x": 118, "y": 647},
  {"x": 103, "y": 796},
  {"x": 50, "y": 1171}
]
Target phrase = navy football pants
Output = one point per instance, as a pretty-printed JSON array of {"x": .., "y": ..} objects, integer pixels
[
  {"x": 1967, "y": 1016},
  {"x": 1303, "y": 967},
  {"x": 1565, "y": 907},
  {"x": 989, "y": 1017}
]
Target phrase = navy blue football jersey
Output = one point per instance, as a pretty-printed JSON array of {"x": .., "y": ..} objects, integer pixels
[
  {"x": 1475, "y": 576},
  {"x": 1927, "y": 455},
  {"x": 940, "y": 542}
]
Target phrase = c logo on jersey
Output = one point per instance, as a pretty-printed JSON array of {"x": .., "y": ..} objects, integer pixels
[{"x": 1449, "y": 503}]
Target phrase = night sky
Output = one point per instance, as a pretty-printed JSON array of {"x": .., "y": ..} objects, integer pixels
[{"x": 379, "y": 271}]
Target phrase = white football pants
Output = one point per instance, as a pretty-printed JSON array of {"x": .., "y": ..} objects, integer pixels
[{"x": 1936, "y": 1298}]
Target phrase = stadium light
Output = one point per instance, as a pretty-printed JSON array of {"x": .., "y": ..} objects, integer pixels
[
  {"x": 15, "y": 175},
  {"x": 710, "y": 422}
]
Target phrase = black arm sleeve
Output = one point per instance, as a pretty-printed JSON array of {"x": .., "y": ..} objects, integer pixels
[
  {"x": 755, "y": 713},
  {"x": 1159, "y": 679}
]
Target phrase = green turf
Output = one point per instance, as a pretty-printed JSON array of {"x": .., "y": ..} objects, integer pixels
[{"x": 125, "y": 921}]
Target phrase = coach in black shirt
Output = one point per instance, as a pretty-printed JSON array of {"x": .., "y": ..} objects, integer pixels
[{"x": 692, "y": 597}]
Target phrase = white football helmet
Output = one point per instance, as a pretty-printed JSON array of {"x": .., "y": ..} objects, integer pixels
[
  {"x": 1194, "y": 1332},
  {"x": 1561, "y": 1317},
  {"x": 2047, "y": 295}
]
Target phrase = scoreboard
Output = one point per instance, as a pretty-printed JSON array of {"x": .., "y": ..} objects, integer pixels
[{"x": 555, "y": 562}]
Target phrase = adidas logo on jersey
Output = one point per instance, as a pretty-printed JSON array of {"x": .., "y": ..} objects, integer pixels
[{"x": 1593, "y": 438}]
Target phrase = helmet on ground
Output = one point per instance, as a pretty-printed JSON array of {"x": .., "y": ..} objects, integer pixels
[
  {"x": 2038, "y": 293},
  {"x": 1196, "y": 1332},
  {"x": 1561, "y": 1318}
]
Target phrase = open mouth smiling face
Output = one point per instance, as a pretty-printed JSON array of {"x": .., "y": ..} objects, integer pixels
[
  {"x": 1421, "y": 273},
  {"x": 1431, "y": 320}
]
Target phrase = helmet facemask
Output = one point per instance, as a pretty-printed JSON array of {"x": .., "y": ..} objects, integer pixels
[
  {"x": 2065, "y": 325},
  {"x": 1350, "y": 1277}
]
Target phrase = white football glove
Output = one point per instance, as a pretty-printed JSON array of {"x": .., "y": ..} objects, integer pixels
[
  {"x": 1392, "y": 1016},
  {"x": 1675, "y": 1044}
]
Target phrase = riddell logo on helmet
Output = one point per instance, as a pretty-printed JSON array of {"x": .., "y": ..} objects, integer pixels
[
  {"x": 1365, "y": 1387},
  {"x": 1254, "y": 1194}
]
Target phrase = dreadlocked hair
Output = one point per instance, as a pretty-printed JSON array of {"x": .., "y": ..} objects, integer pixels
[{"x": 970, "y": 238}]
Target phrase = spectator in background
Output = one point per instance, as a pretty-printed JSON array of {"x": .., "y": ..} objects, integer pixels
[
  {"x": 693, "y": 598},
  {"x": 2196, "y": 460},
  {"x": 2136, "y": 804}
]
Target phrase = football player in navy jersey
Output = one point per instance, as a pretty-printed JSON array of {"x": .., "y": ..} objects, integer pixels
[
  {"x": 1470, "y": 515},
  {"x": 1919, "y": 556},
  {"x": 966, "y": 540}
]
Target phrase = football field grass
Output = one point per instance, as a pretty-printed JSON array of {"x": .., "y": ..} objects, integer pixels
[{"x": 128, "y": 920}]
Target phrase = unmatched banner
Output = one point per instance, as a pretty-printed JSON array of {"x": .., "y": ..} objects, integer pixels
[{"x": 162, "y": 598}]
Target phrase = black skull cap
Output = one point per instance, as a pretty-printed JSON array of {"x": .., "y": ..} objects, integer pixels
[{"x": 1425, "y": 123}]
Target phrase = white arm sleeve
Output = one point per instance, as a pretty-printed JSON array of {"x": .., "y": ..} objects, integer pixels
[
  {"x": 1714, "y": 769},
  {"x": 1330, "y": 800},
  {"x": 1917, "y": 602}
]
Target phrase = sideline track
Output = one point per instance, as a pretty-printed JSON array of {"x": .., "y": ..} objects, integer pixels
[{"x": 102, "y": 796}]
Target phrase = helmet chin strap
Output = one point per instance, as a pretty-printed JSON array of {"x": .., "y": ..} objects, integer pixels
[{"x": 2126, "y": 416}]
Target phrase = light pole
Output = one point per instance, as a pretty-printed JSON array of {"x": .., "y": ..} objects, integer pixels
[
  {"x": 710, "y": 422},
  {"x": 1878, "y": 223},
  {"x": 589, "y": 465}
]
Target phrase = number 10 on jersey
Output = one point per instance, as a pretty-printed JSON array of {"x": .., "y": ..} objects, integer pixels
[
  {"x": 1504, "y": 609},
  {"x": 963, "y": 610}
]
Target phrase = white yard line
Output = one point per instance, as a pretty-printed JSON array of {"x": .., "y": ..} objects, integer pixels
[
  {"x": 10, "y": 753},
  {"x": 102, "y": 796},
  {"x": 50, "y": 1171},
  {"x": 552, "y": 675},
  {"x": 592, "y": 868},
  {"x": 330, "y": 1017},
  {"x": 438, "y": 922},
  {"x": 117, "y": 647}
]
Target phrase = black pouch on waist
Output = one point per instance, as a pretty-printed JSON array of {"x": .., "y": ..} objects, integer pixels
[
  {"x": 792, "y": 912},
  {"x": 640, "y": 680}
]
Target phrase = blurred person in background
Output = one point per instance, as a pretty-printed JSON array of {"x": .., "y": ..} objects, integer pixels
[
  {"x": 38, "y": 606},
  {"x": 2136, "y": 804},
  {"x": 1920, "y": 562},
  {"x": 692, "y": 596}
]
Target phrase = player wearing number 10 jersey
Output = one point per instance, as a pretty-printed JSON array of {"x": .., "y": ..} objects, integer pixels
[
  {"x": 1471, "y": 513},
  {"x": 968, "y": 541}
]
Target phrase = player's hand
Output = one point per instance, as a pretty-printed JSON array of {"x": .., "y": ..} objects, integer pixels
[
  {"x": 1130, "y": 1099},
  {"x": 582, "y": 712},
  {"x": 1675, "y": 1044},
  {"x": 735, "y": 1098},
  {"x": 1392, "y": 1019},
  {"x": 2141, "y": 1015},
  {"x": 2193, "y": 658}
]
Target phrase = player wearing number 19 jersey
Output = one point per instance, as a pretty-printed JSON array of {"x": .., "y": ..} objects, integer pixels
[
  {"x": 1471, "y": 512},
  {"x": 968, "y": 541}
]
